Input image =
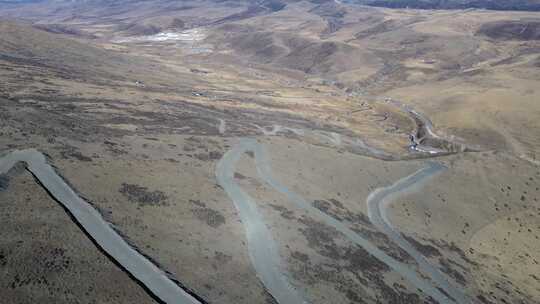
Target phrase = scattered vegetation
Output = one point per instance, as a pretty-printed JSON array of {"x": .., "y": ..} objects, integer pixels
[{"x": 142, "y": 196}]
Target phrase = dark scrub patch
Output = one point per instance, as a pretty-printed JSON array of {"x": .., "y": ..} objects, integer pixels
[
  {"x": 511, "y": 30},
  {"x": 452, "y": 247},
  {"x": 3, "y": 260},
  {"x": 142, "y": 195},
  {"x": 239, "y": 176},
  {"x": 74, "y": 154},
  {"x": 396, "y": 296},
  {"x": 483, "y": 299},
  {"x": 353, "y": 296},
  {"x": 447, "y": 268},
  {"x": 197, "y": 203},
  {"x": 284, "y": 212},
  {"x": 426, "y": 249},
  {"x": 320, "y": 237},
  {"x": 213, "y": 155},
  {"x": 302, "y": 257},
  {"x": 337, "y": 210},
  {"x": 211, "y": 217},
  {"x": 382, "y": 241},
  {"x": 349, "y": 268},
  {"x": 336, "y": 203},
  {"x": 361, "y": 260}
]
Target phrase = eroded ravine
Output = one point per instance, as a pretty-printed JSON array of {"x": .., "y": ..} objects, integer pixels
[
  {"x": 424, "y": 139},
  {"x": 259, "y": 249},
  {"x": 155, "y": 280}
]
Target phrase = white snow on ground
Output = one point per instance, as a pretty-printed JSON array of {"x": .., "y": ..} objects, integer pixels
[
  {"x": 189, "y": 40},
  {"x": 185, "y": 36}
]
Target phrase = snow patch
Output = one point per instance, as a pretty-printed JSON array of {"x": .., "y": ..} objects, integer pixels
[{"x": 184, "y": 36}]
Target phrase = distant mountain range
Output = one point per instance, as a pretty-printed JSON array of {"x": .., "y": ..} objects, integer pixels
[
  {"x": 521, "y": 5},
  {"x": 20, "y": 1}
]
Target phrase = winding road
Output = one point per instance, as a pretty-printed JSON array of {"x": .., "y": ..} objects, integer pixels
[
  {"x": 161, "y": 286},
  {"x": 263, "y": 250},
  {"x": 262, "y": 247},
  {"x": 378, "y": 202}
]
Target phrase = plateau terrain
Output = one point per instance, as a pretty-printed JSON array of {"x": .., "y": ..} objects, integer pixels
[{"x": 270, "y": 151}]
